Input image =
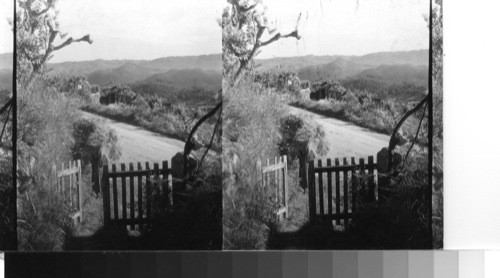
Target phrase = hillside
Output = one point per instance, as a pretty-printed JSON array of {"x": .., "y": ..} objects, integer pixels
[
  {"x": 160, "y": 76},
  {"x": 339, "y": 69},
  {"x": 6, "y": 79},
  {"x": 127, "y": 73},
  {"x": 402, "y": 75},
  {"x": 86, "y": 68},
  {"x": 413, "y": 57},
  {"x": 6, "y": 61},
  {"x": 393, "y": 74},
  {"x": 186, "y": 78}
]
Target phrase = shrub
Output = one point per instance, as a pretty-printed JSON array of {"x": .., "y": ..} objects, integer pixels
[{"x": 251, "y": 125}]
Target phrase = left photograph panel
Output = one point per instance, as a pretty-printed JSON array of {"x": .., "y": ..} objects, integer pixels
[
  {"x": 118, "y": 125},
  {"x": 7, "y": 192}
]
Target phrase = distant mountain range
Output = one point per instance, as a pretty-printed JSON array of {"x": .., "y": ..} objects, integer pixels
[
  {"x": 6, "y": 67},
  {"x": 176, "y": 73},
  {"x": 203, "y": 71},
  {"x": 6, "y": 61},
  {"x": 390, "y": 67}
]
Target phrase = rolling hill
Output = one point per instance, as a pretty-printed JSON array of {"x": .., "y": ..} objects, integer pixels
[
  {"x": 6, "y": 68},
  {"x": 6, "y": 61},
  {"x": 86, "y": 68},
  {"x": 168, "y": 74},
  {"x": 389, "y": 67},
  {"x": 186, "y": 78},
  {"x": 393, "y": 74}
]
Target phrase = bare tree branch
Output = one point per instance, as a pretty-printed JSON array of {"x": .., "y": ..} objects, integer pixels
[
  {"x": 211, "y": 139},
  {"x": 416, "y": 133},
  {"x": 393, "y": 140},
  {"x": 188, "y": 147}
]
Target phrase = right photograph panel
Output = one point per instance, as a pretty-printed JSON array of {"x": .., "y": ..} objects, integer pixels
[{"x": 327, "y": 125}]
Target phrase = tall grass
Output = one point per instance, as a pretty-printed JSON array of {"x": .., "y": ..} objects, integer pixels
[
  {"x": 250, "y": 132},
  {"x": 45, "y": 120}
]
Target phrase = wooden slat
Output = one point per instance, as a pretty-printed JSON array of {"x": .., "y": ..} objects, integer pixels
[
  {"x": 115, "y": 193},
  {"x": 330, "y": 189},
  {"x": 62, "y": 181},
  {"x": 71, "y": 186},
  {"x": 285, "y": 184},
  {"x": 124, "y": 193},
  {"x": 80, "y": 185},
  {"x": 361, "y": 184},
  {"x": 321, "y": 195},
  {"x": 346, "y": 190},
  {"x": 312, "y": 192},
  {"x": 67, "y": 172},
  {"x": 273, "y": 167},
  {"x": 354, "y": 186},
  {"x": 276, "y": 180},
  {"x": 139, "y": 193},
  {"x": 337, "y": 191},
  {"x": 148, "y": 193},
  {"x": 131, "y": 194},
  {"x": 130, "y": 173},
  {"x": 371, "y": 179},
  {"x": 106, "y": 195},
  {"x": 341, "y": 168},
  {"x": 157, "y": 183},
  {"x": 166, "y": 184}
]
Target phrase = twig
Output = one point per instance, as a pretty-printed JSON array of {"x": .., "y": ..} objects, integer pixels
[
  {"x": 416, "y": 134},
  {"x": 211, "y": 140},
  {"x": 393, "y": 141}
]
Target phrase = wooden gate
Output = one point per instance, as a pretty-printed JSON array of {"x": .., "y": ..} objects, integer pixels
[
  {"x": 344, "y": 185},
  {"x": 69, "y": 186},
  {"x": 274, "y": 173},
  {"x": 128, "y": 193}
]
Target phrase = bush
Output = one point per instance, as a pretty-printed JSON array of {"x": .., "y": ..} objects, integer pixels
[
  {"x": 251, "y": 125},
  {"x": 45, "y": 127}
]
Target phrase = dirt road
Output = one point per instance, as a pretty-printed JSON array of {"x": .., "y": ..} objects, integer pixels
[
  {"x": 140, "y": 145},
  {"x": 346, "y": 139}
]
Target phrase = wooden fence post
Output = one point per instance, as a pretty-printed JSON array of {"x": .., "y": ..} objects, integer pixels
[
  {"x": 320, "y": 187},
  {"x": 337, "y": 191},
  {"x": 140, "y": 205},
  {"x": 346, "y": 191},
  {"x": 362, "y": 183},
  {"x": 71, "y": 184},
  {"x": 115, "y": 193},
  {"x": 312, "y": 192},
  {"x": 285, "y": 184},
  {"x": 167, "y": 184},
  {"x": 371, "y": 179},
  {"x": 330, "y": 190},
  {"x": 354, "y": 189},
  {"x": 80, "y": 184},
  {"x": 148, "y": 192},
  {"x": 124, "y": 192},
  {"x": 276, "y": 180},
  {"x": 132, "y": 195},
  {"x": 105, "y": 194}
]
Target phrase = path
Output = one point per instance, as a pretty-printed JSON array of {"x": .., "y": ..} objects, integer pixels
[
  {"x": 138, "y": 144},
  {"x": 346, "y": 139}
]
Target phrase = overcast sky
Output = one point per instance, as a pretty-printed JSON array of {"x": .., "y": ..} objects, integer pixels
[
  {"x": 138, "y": 29},
  {"x": 6, "y": 35},
  {"x": 349, "y": 27},
  {"x": 135, "y": 29}
]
